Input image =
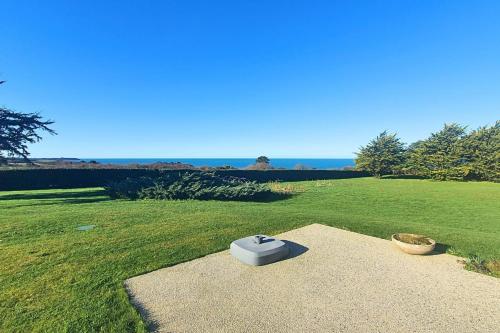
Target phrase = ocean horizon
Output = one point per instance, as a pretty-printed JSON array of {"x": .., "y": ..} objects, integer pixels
[{"x": 287, "y": 163}]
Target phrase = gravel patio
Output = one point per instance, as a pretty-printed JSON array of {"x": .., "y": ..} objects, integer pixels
[{"x": 335, "y": 281}]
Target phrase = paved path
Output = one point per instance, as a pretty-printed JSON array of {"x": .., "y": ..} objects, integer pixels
[{"x": 344, "y": 282}]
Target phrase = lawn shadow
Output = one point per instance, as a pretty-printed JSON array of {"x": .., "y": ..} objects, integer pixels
[
  {"x": 46, "y": 199},
  {"x": 276, "y": 196},
  {"x": 402, "y": 177},
  {"x": 51, "y": 195},
  {"x": 268, "y": 197}
]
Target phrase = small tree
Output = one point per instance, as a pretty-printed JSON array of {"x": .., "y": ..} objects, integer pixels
[
  {"x": 263, "y": 159},
  {"x": 383, "y": 155}
]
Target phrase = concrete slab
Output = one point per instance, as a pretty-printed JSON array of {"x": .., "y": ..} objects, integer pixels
[{"x": 335, "y": 281}]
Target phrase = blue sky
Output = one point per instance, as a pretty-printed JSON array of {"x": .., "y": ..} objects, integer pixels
[{"x": 245, "y": 78}]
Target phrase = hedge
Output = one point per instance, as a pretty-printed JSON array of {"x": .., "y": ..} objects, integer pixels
[
  {"x": 30, "y": 179},
  {"x": 293, "y": 175}
]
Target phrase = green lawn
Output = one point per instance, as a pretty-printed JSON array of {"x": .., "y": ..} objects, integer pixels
[{"x": 56, "y": 278}]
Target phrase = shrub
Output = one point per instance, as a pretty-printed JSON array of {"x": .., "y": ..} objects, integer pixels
[
  {"x": 190, "y": 185},
  {"x": 259, "y": 166},
  {"x": 129, "y": 188}
]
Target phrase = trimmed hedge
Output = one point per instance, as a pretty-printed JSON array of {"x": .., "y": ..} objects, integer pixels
[
  {"x": 31, "y": 179},
  {"x": 293, "y": 175}
]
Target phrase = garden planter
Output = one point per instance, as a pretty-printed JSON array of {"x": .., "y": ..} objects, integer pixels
[{"x": 414, "y": 244}]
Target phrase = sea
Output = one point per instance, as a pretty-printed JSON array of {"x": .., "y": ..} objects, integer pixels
[{"x": 286, "y": 163}]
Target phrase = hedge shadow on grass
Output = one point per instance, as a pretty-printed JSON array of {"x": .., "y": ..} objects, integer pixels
[
  {"x": 274, "y": 196},
  {"x": 402, "y": 177},
  {"x": 51, "y": 195},
  {"x": 58, "y": 198},
  {"x": 58, "y": 202}
]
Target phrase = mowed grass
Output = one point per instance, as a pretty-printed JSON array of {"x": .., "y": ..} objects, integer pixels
[{"x": 55, "y": 278}]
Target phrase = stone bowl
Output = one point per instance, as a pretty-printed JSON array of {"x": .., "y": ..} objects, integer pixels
[{"x": 401, "y": 240}]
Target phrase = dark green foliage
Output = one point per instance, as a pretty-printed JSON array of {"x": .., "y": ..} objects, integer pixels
[
  {"x": 129, "y": 188},
  {"x": 480, "y": 149},
  {"x": 439, "y": 156},
  {"x": 450, "y": 154},
  {"x": 190, "y": 185},
  {"x": 382, "y": 156},
  {"x": 66, "y": 178},
  {"x": 29, "y": 179},
  {"x": 263, "y": 159},
  {"x": 17, "y": 131},
  {"x": 263, "y": 176}
]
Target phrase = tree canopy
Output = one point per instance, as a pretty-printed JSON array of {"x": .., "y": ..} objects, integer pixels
[
  {"x": 17, "y": 130},
  {"x": 263, "y": 159},
  {"x": 480, "y": 150},
  {"x": 450, "y": 154},
  {"x": 438, "y": 156},
  {"x": 382, "y": 155}
]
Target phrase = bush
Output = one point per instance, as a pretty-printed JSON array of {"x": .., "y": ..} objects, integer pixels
[
  {"x": 190, "y": 185},
  {"x": 259, "y": 166},
  {"x": 129, "y": 188}
]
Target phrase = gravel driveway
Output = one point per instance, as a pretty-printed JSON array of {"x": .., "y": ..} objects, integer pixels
[{"x": 336, "y": 281}]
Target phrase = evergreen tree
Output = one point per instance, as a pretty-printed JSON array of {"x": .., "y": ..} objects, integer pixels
[
  {"x": 263, "y": 159},
  {"x": 439, "y": 156},
  {"x": 383, "y": 155},
  {"x": 480, "y": 151},
  {"x": 17, "y": 130}
]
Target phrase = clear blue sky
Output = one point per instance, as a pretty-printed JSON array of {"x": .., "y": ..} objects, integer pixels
[{"x": 244, "y": 78}]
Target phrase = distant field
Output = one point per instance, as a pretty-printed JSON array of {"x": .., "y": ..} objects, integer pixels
[{"x": 55, "y": 278}]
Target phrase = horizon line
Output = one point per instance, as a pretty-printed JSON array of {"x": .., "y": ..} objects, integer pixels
[{"x": 172, "y": 158}]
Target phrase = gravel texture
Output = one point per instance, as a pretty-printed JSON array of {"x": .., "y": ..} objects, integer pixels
[{"x": 334, "y": 281}]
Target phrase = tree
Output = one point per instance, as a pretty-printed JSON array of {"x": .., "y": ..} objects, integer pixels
[
  {"x": 450, "y": 154},
  {"x": 480, "y": 152},
  {"x": 261, "y": 163},
  {"x": 17, "y": 130},
  {"x": 263, "y": 159},
  {"x": 382, "y": 155},
  {"x": 438, "y": 156}
]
